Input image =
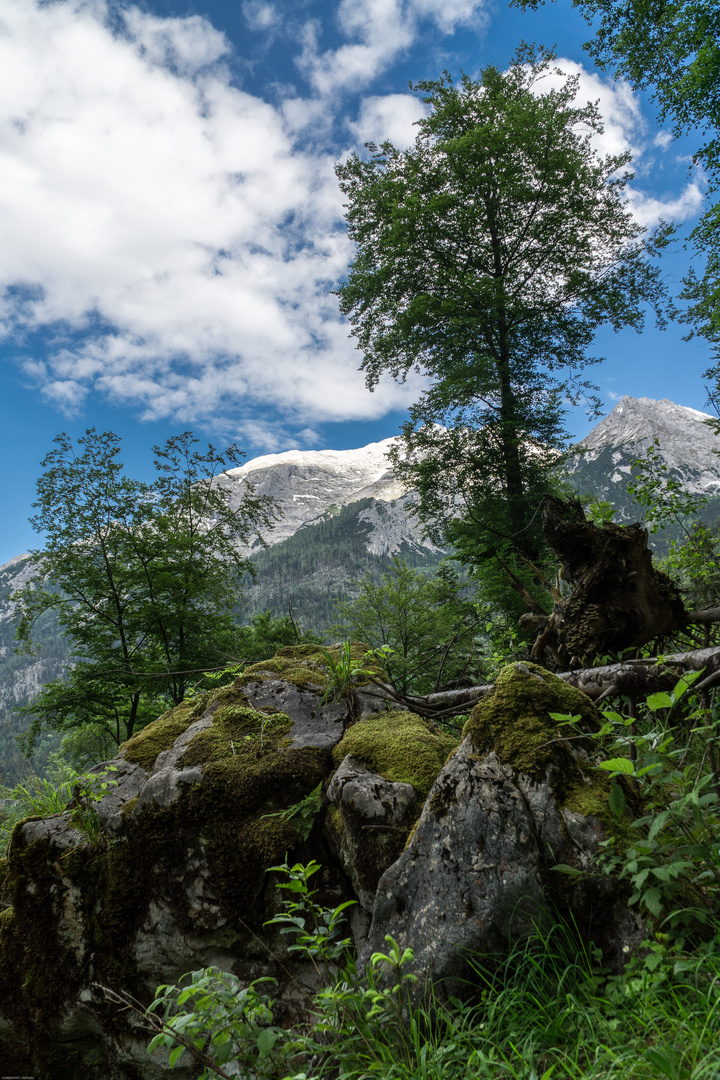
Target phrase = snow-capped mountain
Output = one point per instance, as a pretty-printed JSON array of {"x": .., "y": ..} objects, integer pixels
[
  {"x": 688, "y": 447},
  {"x": 308, "y": 483}
]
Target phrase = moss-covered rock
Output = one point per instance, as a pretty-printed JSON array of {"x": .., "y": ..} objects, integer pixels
[
  {"x": 192, "y": 822},
  {"x": 400, "y": 746},
  {"x": 517, "y": 722},
  {"x": 515, "y": 719},
  {"x": 388, "y": 763},
  {"x": 520, "y": 795}
]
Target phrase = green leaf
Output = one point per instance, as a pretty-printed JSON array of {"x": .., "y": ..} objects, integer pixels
[
  {"x": 616, "y": 800},
  {"x": 175, "y": 1056},
  {"x": 564, "y": 868},
  {"x": 266, "y": 1039},
  {"x": 651, "y": 898},
  {"x": 658, "y": 823},
  {"x": 618, "y": 765},
  {"x": 659, "y": 701}
]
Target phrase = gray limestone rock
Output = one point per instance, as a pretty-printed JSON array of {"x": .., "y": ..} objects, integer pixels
[
  {"x": 314, "y": 724},
  {"x": 476, "y": 876},
  {"x": 373, "y": 818},
  {"x": 375, "y": 799}
]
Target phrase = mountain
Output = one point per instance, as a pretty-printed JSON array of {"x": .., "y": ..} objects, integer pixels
[
  {"x": 309, "y": 484},
  {"x": 343, "y": 512},
  {"x": 688, "y": 447}
]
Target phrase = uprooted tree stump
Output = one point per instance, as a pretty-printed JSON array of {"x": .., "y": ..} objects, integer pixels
[{"x": 619, "y": 600}]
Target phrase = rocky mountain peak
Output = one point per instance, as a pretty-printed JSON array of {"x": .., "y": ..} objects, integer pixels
[
  {"x": 307, "y": 484},
  {"x": 688, "y": 446}
]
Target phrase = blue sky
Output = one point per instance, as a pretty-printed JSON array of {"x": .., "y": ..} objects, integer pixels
[{"x": 172, "y": 228}]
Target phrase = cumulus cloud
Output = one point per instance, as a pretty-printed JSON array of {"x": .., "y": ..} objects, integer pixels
[
  {"x": 649, "y": 210},
  {"x": 625, "y": 129},
  {"x": 378, "y": 31},
  {"x": 171, "y": 221},
  {"x": 391, "y": 117},
  {"x": 260, "y": 16}
]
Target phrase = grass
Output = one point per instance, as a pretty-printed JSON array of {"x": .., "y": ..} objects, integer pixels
[{"x": 548, "y": 1012}]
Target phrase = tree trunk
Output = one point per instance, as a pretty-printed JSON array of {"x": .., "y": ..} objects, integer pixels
[{"x": 635, "y": 678}]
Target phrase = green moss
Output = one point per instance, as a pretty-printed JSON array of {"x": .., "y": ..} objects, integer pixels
[
  {"x": 591, "y": 800},
  {"x": 297, "y": 664},
  {"x": 399, "y": 746},
  {"x": 143, "y": 748},
  {"x": 305, "y": 665},
  {"x": 514, "y": 720},
  {"x": 7, "y": 914},
  {"x": 411, "y": 834}
]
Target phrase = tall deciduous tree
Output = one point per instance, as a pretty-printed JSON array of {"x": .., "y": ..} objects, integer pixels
[
  {"x": 487, "y": 255},
  {"x": 429, "y": 622},
  {"x": 144, "y": 577}
]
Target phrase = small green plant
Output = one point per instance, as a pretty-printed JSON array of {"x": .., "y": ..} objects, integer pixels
[
  {"x": 342, "y": 670},
  {"x": 316, "y": 929},
  {"x": 674, "y": 864},
  {"x": 216, "y": 1021},
  {"x": 89, "y": 789},
  {"x": 302, "y": 814},
  {"x": 46, "y": 796}
]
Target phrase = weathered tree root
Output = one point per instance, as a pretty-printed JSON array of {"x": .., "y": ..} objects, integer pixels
[{"x": 619, "y": 600}]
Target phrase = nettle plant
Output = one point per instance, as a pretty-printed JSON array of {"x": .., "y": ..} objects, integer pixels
[{"x": 674, "y": 864}]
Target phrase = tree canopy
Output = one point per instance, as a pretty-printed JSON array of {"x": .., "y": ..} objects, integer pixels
[
  {"x": 488, "y": 253},
  {"x": 144, "y": 577}
]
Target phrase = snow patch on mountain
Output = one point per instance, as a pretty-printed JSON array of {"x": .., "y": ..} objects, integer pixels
[{"x": 308, "y": 484}]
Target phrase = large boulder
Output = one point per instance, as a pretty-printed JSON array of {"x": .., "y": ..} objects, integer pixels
[
  {"x": 518, "y": 797},
  {"x": 171, "y": 875},
  {"x": 450, "y": 848},
  {"x": 169, "y": 871}
]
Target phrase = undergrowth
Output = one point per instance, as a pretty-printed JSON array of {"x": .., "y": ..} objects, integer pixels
[{"x": 548, "y": 1010}]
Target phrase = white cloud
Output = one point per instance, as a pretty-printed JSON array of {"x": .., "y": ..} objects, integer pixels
[
  {"x": 178, "y": 238},
  {"x": 626, "y": 129},
  {"x": 175, "y": 212},
  {"x": 260, "y": 16},
  {"x": 391, "y": 116},
  {"x": 378, "y": 31},
  {"x": 623, "y": 122},
  {"x": 649, "y": 210}
]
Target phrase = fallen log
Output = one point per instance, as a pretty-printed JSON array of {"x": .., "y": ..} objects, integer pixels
[{"x": 633, "y": 678}]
